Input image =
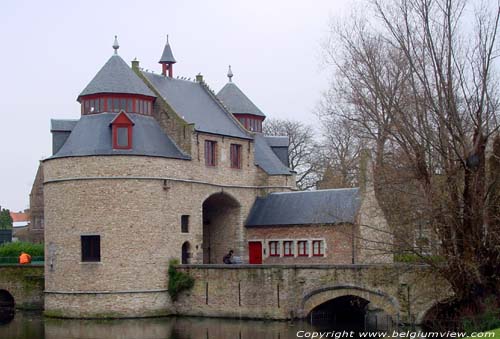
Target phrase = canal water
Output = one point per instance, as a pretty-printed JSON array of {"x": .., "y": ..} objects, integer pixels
[{"x": 32, "y": 325}]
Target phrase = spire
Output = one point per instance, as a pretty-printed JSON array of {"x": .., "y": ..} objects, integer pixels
[
  {"x": 167, "y": 57},
  {"x": 230, "y": 74},
  {"x": 116, "y": 45},
  {"x": 167, "y": 60}
]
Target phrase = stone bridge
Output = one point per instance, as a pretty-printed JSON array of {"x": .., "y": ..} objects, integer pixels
[
  {"x": 403, "y": 292},
  {"x": 22, "y": 285}
]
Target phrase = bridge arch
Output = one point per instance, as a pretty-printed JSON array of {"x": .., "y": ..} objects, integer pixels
[
  {"x": 422, "y": 317},
  {"x": 7, "y": 304},
  {"x": 377, "y": 300},
  {"x": 221, "y": 218}
]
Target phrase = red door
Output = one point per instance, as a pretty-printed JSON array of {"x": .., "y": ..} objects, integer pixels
[{"x": 255, "y": 252}]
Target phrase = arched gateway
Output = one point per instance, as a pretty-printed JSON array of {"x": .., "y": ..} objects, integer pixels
[{"x": 221, "y": 218}]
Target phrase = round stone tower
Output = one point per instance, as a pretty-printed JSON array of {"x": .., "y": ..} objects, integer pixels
[{"x": 107, "y": 226}]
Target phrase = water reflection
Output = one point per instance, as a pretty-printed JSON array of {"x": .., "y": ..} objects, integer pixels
[{"x": 34, "y": 325}]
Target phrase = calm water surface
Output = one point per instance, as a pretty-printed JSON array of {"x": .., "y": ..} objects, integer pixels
[{"x": 27, "y": 325}]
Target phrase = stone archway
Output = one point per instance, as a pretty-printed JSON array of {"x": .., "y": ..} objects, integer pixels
[
  {"x": 7, "y": 304},
  {"x": 376, "y": 301},
  {"x": 221, "y": 223}
]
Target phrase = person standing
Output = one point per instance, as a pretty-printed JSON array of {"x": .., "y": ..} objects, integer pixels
[{"x": 24, "y": 258}]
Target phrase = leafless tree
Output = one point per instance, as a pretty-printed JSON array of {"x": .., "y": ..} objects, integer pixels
[
  {"x": 340, "y": 150},
  {"x": 302, "y": 151},
  {"x": 421, "y": 87}
]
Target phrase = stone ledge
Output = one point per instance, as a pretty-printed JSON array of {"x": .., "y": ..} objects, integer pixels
[{"x": 299, "y": 266}]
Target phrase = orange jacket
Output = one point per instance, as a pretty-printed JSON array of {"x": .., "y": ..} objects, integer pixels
[{"x": 24, "y": 258}]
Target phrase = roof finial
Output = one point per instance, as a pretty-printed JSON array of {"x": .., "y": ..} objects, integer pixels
[
  {"x": 167, "y": 39},
  {"x": 230, "y": 74},
  {"x": 116, "y": 45}
]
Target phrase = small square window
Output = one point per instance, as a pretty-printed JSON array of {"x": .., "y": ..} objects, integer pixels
[
  {"x": 91, "y": 248},
  {"x": 318, "y": 248},
  {"x": 303, "y": 246},
  {"x": 274, "y": 250},
  {"x": 185, "y": 224},
  {"x": 288, "y": 248}
]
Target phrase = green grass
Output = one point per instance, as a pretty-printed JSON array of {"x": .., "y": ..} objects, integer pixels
[{"x": 496, "y": 331}]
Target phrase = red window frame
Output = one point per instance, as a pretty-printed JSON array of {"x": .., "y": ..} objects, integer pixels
[
  {"x": 235, "y": 156},
  {"x": 288, "y": 251},
  {"x": 302, "y": 252},
  {"x": 115, "y": 136},
  {"x": 274, "y": 249},
  {"x": 210, "y": 153},
  {"x": 317, "y": 252}
]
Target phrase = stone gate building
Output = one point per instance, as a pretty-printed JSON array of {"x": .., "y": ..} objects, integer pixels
[{"x": 157, "y": 168}]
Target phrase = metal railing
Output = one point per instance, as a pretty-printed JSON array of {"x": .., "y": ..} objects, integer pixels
[{"x": 15, "y": 260}]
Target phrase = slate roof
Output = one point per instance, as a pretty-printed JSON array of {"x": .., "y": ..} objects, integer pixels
[
  {"x": 62, "y": 125},
  {"x": 277, "y": 141},
  {"x": 167, "y": 56},
  {"x": 266, "y": 159},
  {"x": 236, "y": 101},
  {"x": 194, "y": 104},
  {"x": 92, "y": 136},
  {"x": 307, "y": 207},
  {"x": 279, "y": 145},
  {"x": 116, "y": 77}
]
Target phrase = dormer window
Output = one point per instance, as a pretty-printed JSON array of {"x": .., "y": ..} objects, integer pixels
[{"x": 121, "y": 131}]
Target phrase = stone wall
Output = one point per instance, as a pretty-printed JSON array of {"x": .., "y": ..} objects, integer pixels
[
  {"x": 24, "y": 283},
  {"x": 284, "y": 292}
]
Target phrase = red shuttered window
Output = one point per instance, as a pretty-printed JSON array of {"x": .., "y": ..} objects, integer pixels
[
  {"x": 235, "y": 155},
  {"x": 210, "y": 152}
]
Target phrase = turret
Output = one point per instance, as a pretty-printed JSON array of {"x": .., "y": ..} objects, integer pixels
[
  {"x": 167, "y": 61},
  {"x": 115, "y": 88},
  {"x": 243, "y": 109}
]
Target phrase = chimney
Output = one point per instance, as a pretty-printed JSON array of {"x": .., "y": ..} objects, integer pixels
[
  {"x": 365, "y": 170},
  {"x": 199, "y": 77},
  {"x": 135, "y": 64}
]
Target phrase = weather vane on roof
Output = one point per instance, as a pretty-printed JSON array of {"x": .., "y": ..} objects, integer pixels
[
  {"x": 230, "y": 74},
  {"x": 116, "y": 45}
]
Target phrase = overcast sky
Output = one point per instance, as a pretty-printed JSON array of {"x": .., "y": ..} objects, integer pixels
[{"x": 50, "y": 50}]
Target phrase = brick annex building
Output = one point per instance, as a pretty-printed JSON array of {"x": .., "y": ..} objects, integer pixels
[{"x": 157, "y": 168}]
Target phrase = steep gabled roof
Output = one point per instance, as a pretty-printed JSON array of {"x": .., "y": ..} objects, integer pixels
[
  {"x": 116, "y": 77},
  {"x": 92, "y": 136},
  {"x": 306, "y": 208},
  {"x": 194, "y": 104},
  {"x": 236, "y": 101}
]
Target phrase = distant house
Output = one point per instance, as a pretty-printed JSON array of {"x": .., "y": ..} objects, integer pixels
[
  {"x": 20, "y": 224},
  {"x": 36, "y": 226}
]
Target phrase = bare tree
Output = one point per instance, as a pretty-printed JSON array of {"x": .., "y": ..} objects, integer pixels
[
  {"x": 302, "y": 151},
  {"x": 421, "y": 87},
  {"x": 340, "y": 150}
]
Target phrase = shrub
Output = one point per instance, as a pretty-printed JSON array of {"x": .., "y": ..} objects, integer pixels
[
  {"x": 487, "y": 319},
  {"x": 14, "y": 249},
  {"x": 177, "y": 281}
]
